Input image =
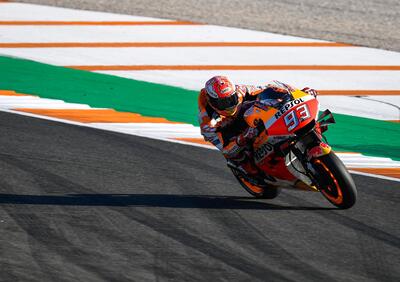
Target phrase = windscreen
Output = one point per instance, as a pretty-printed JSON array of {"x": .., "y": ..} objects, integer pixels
[{"x": 274, "y": 97}]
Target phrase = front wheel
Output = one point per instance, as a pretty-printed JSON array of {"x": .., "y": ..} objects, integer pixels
[
  {"x": 258, "y": 191},
  {"x": 334, "y": 181}
]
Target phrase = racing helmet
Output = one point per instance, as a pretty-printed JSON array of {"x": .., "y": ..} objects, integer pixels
[{"x": 222, "y": 95}]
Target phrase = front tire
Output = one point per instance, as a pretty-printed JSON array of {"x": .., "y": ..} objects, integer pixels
[
  {"x": 334, "y": 181},
  {"x": 258, "y": 191}
]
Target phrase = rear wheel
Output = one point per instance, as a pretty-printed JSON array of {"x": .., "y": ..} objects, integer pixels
[
  {"x": 334, "y": 181},
  {"x": 258, "y": 191}
]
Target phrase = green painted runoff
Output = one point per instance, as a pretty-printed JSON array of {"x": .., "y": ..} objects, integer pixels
[{"x": 355, "y": 134}]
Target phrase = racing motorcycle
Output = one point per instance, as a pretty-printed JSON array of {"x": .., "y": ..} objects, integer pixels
[{"x": 290, "y": 150}]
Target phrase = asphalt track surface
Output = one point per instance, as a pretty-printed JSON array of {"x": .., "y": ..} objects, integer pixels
[{"x": 81, "y": 204}]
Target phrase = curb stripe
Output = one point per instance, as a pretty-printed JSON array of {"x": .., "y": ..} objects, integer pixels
[
  {"x": 390, "y": 172},
  {"x": 232, "y": 67},
  {"x": 89, "y": 116},
  {"x": 98, "y": 23},
  {"x": 170, "y": 44},
  {"x": 12, "y": 93}
]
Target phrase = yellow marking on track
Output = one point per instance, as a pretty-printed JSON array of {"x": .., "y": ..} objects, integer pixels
[
  {"x": 95, "y": 115},
  {"x": 169, "y": 44},
  {"x": 232, "y": 67},
  {"x": 390, "y": 172},
  {"x": 98, "y": 23}
]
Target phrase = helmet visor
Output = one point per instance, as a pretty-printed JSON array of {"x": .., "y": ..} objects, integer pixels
[{"x": 224, "y": 103}]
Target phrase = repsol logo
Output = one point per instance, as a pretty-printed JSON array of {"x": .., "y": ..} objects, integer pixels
[
  {"x": 288, "y": 106},
  {"x": 263, "y": 151}
]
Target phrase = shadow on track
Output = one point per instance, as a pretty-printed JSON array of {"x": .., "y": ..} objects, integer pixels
[{"x": 149, "y": 200}]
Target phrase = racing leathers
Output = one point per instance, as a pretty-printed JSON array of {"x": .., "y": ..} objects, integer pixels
[{"x": 230, "y": 133}]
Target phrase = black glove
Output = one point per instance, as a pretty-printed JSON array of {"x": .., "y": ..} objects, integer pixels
[{"x": 247, "y": 136}]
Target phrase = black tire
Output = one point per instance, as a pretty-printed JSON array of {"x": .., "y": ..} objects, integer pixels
[
  {"x": 257, "y": 191},
  {"x": 334, "y": 181}
]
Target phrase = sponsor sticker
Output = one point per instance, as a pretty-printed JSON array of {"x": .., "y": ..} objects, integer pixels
[
  {"x": 263, "y": 151},
  {"x": 288, "y": 106}
]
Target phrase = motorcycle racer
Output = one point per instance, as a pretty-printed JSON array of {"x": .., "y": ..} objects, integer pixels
[{"x": 221, "y": 108}]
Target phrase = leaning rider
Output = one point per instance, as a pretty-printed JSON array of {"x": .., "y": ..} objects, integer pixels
[{"x": 221, "y": 108}]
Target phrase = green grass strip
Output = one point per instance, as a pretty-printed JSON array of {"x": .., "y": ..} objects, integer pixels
[{"x": 354, "y": 134}]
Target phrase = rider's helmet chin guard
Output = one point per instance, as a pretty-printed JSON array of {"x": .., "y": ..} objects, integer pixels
[{"x": 222, "y": 95}]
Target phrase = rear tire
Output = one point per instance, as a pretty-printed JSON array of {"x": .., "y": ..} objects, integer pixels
[
  {"x": 334, "y": 181},
  {"x": 258, "y": 191}
]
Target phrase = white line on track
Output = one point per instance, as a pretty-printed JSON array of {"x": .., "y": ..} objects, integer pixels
[
  {"x": 199, "y": 33},
  {"x": 208, "y": 56},
  {"x": 30, "y": 12}
]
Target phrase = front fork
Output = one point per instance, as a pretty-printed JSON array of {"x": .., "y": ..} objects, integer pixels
[
  {"x": 298, "y": 159},
  {"x": 308, "y": 145}
]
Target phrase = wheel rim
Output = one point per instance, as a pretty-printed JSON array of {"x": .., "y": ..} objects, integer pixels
[{"x": 332, "y": 191}]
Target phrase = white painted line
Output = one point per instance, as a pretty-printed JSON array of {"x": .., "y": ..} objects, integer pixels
[
  {"x": 337, "y": 80},
  {"x": 192, "y": 33},
  {"x": 162, "y": 130},
  {"x": 208, "y": 56},
  {"x": 372, "y": 163},
  {"x": 373, "y": 107},
  {"x": 30, "y": 12},
  {"x": 13, "y": 102}
]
